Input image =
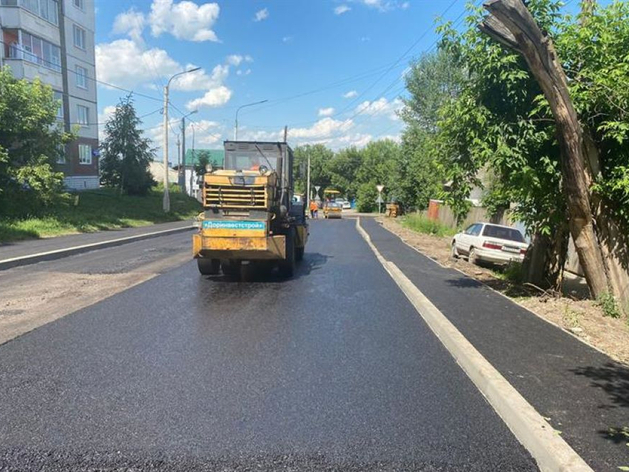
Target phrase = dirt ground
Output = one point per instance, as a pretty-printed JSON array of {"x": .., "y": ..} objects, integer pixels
[{"x": 581, "y": 318}]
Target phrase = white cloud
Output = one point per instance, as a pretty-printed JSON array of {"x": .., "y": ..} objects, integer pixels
[
  {"x": 237, "y": 59},
  {"x": 206, "y": 132},
  {"x": 350, "y": 94},
  {"x": 200, "y": 80},
  {"x": 132, "y": 23},
  {"x": 243, "y": 72},
  {"x": 125, "y": 64},
  {"x": 380, "y": 107},
  {"x": 341, "y": 9},
  {"x": 326, "y": 111},
  {"x": 184, "y": 20},
  {"x": 213, "y": 98},
  {"x": 103, "y": 117},
  {"x": 287, "y": 39},
  {"x": 323, "y": 128},
  {"x": 262, "y": 15},
  {"x": 385, "y": 5}
]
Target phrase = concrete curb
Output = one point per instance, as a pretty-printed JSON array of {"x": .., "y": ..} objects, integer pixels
[
  {"x": 71, "y": 251},
  {"x": 550, "y": 451}
]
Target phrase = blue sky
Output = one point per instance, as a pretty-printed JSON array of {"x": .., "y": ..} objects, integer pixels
[
  {"x": 283, "y": 51},
  {"x": 326, "y": 67}
]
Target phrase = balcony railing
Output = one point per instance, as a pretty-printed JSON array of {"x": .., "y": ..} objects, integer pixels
[{"x": 16, "y": 51}]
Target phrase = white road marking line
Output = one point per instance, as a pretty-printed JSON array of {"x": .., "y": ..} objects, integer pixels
[{"x": 551, "y": 452}]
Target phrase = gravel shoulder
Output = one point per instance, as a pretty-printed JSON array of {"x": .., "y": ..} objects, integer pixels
[{"x": 582, "y": 318}]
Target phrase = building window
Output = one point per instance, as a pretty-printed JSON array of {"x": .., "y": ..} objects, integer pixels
[
  {"x": 79, "y": 37},
  {"x": 81, "y": 77},
  {"x": 83, "y": 115},
  {"x": 61, "y": 157},
  {"x": 22, "y": 45},
  {"x": 46, "y": 9},
  {"x": 78, "y": 4},
  {"x": 85, "y": 154},
  {"x": 59, "y": 99}
]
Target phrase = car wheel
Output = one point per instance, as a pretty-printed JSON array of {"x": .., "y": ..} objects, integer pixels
[
  {"x": 455, "y": 252},
  {"x": 473, "y": 258}
]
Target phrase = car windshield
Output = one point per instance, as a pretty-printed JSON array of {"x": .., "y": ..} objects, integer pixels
[
  {"x": 335, "y": 205},
  {"x": 251, "y": 159},
  {"x": 501, "y": 232}
]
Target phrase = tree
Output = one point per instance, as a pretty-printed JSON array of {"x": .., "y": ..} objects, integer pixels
[
  {"x": 434, "y": 80},
  {"x": 202, "y": 162},
  {"x": 511, "y": 23},
  {"x": 31, "y": 142},
  {"x": 126, "y": 154},
  {"x": 320, "y": 157}
]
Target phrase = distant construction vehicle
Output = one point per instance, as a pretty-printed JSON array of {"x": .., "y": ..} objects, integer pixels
[{"x": 250, "y": 214}]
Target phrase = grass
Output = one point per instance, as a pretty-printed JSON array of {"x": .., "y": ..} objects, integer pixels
[
  {"x": 98, "y": 210},
  {"x": 424, "y": 225}
]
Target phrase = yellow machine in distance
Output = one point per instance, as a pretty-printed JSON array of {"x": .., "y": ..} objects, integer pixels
[
  {"x": 331, "y": 209},
  {"x": 249, "y": 211}
]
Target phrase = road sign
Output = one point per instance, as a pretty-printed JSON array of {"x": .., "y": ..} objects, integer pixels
[
  {"x": 379, "y": 199},
  {"x": 317, "y": 187},
  {"x": 380, "y": 187}
]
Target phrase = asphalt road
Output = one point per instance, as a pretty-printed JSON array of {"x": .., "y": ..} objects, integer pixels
[{"x": 331, "y": 370}]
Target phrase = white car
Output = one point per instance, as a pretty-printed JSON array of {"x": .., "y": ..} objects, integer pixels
[
  {"x": 346, "y": 205},
  {"x": 486, "y": 242}
]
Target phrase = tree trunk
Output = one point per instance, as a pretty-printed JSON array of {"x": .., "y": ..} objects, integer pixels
[
  {"x": 512, "y": 24},
  {"x": 545, "y": 259}
]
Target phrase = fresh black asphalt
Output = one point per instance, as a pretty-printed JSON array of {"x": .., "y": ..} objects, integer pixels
[
  {"x": 584, "y": 393},
  {"x": 37, "y": 246},
  {"x": 331, "y": 370}
]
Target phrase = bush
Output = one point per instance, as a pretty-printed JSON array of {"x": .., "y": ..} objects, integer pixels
[
  {"x": 608, "y": 304},
  {"x": 424, "y": 225}
]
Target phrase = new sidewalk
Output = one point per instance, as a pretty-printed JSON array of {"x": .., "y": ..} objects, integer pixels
[
  {"x": 32, "y": 251},
  {"x": 583, "y": 393}
]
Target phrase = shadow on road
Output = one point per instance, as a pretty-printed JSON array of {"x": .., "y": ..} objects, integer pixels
[
  {"x": 613, "y": 379},
  {"x": 261, "y": 273}
]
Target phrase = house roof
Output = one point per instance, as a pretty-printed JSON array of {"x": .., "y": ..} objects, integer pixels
[{"x": 217, "y": 156}]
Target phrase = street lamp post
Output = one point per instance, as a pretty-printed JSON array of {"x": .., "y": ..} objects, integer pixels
[
  {"x": 166, "y": 201},
  {"x": 182, "y": 170},
  {"x": 239, "y": 108}
]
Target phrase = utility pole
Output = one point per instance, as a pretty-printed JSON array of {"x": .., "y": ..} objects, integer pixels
[
  {"x": 308, "y": 187},
  {"x": 182, "y": 172},
  {"x": 178, "y": 153},
  {"x": 285, "y": 134},
  {"x": 166, "y": 201}
]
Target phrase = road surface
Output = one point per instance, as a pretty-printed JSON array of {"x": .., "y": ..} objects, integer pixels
[{"x": 331, "y": 370}]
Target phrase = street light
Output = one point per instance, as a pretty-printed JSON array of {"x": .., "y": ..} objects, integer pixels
[
  {"x": 182, "y": 168},
  {"x": 166, "y": 203},
  {"x": 239, "y": 108}
]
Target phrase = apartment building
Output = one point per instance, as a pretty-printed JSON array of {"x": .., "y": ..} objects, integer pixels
[{"x": 54, "y": 40}]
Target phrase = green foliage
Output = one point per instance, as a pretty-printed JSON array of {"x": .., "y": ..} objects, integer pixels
[
  {"x": 203, "y": 160},
  {"x": 31, "y": 141},
  {"x": 126, "y": 154},
  {"x": 595, "y": 53},
  {"x": 320, "y": 157},
  {"x": 512, "y": 272},
  {"x": 366, "y": 197},
  {"x": 609, "y": 305},
  {"x": 99, "y": 210},
  {"x": 354, "y": 172},
  {"x": 425, "y": 225}
]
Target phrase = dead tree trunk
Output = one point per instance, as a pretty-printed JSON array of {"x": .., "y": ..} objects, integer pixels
[{"x": 512, "y": 24}]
